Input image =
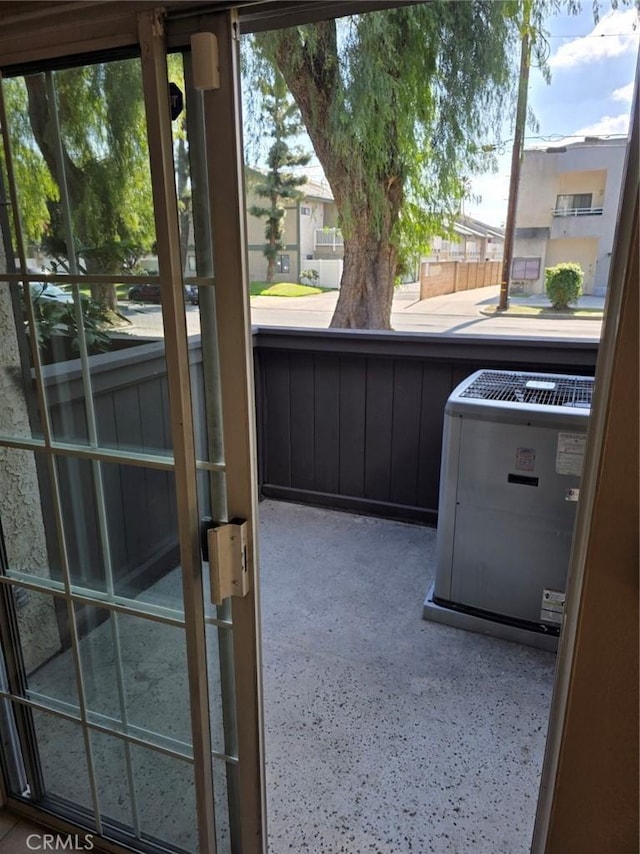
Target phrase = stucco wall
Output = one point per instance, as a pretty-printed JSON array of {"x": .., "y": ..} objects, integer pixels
[
  {"x": 591, "y": 167},
  {"x": 581, "y": 251},
  {"x": 20, "y": 507}
]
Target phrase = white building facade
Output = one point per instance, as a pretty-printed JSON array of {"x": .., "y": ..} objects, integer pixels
[{"x": 567, "y": 211}]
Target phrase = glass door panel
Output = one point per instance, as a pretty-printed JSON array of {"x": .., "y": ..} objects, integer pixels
[{"x": 119, "y": 674}]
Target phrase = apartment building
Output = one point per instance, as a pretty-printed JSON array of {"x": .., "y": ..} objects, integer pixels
[
  {"x": 472, "y": 240},
  {"x": 567, "y": 211},
  {"x": 310, "y": 231}
]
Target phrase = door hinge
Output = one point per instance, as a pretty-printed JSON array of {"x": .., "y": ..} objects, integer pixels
[{"x": 228, "y": 564}]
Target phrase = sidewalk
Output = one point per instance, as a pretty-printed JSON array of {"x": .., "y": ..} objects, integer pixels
[
  {"x": 452, "y": 314},
  {"x": 407, "y": 298}
]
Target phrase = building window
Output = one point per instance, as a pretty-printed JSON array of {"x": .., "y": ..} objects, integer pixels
[
  {"x": 573, "y": 203},
  {"x": 305, "y": 211},
  {"x": 283, "y": 264},
  {"x": 525, "y": 269}
]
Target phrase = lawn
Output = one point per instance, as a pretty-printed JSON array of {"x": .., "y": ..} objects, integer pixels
[
  {"x": 282, "y": 289},
  {"x": 265, "y": 289},
  {"x": 121, "y": 291},
  {"x": 541, "y": 311}
]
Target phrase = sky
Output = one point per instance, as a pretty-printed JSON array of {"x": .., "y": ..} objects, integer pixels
[{"x": 593, "y": 69}]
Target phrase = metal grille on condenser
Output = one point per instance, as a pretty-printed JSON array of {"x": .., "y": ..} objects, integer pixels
[{"x": 540, "y": 389}]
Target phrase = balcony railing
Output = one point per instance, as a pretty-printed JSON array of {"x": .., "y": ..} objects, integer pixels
[
  {"x": 328, "y": 237},
  {"x": 576, "y": 211}
]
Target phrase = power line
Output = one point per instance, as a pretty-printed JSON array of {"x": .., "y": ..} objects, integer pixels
[{"x": 595, "y": 36}]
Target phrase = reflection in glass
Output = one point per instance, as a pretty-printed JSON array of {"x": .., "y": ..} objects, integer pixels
[
  {"x": 135, "y": 675},
  {"x": 26, "y": 511},
  {"x": 221, "y": 805},
  {"x": 165, "y": 793},
  {"x": 63, "y": 759},
  {"x": 110, "y": 766},
  {"x": 78, "y": 139},
  {"x": 19, "y": 413},
  {"x": 121, "y": 530},
  {"x": 45, "y": 641}
]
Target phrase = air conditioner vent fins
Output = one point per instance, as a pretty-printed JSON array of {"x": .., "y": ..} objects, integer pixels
[{"x": 533, "y": 389}]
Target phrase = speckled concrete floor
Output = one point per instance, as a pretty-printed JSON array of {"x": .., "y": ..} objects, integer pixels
[{"x": 385, "y": 733}]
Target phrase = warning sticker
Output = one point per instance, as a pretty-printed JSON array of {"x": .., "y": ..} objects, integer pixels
[
  {"x": 525, "y": 459},
  {"x": 570, "y": 453},
  {"x": 552, "y": 610}
]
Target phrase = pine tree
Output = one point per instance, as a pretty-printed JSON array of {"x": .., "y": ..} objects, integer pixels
[{"x": 280, "y": 184}]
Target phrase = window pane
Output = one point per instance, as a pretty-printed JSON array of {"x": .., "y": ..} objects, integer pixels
[
  {"x": 19, "y": 413},
  {"x": 165, "y": 793},
  {"x": 135, "y": 676},
  {"x": 45, "y": 640},
  {"x": 63, "y": 759}
]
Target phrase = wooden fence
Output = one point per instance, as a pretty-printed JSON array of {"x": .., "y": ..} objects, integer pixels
[{"x": 447, "y": 277}]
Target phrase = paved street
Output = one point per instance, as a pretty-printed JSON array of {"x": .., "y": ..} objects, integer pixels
[{"x": 453, "y": 314}]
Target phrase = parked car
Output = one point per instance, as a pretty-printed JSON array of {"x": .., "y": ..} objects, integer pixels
[
  {"x": 151, "y": 293},
  {"x": 144, "y": 293},
  {"x": 47, "y": 291}
]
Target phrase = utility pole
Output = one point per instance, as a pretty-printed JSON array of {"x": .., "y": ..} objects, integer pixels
[{"x": 516, "y": 161}]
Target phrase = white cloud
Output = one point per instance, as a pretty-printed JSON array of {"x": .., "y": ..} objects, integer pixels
[
  {"x": 624, "y": 93},
  {"x": 606, "y": 126},
  {"x": 618, "y": 35}
]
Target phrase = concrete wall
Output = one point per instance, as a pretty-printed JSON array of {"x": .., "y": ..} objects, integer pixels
[
  {"x": 447, "y": 277},
  {"x": 581, "y": 251}
]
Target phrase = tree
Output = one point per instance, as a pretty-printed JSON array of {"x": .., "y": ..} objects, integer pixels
[
  {"x": 280, "y": 184},
  {"x": 399, "y": 106},
  {"x": 101, "y": 150}
]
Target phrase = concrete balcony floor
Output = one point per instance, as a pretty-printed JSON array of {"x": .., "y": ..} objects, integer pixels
[{"x": 384, "y": 733}]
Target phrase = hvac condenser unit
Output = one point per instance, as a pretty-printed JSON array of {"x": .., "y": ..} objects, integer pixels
[{"x": 513, "y": 448}]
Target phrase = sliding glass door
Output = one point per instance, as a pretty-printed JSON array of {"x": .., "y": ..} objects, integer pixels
[{"x": 129, "y": 686}]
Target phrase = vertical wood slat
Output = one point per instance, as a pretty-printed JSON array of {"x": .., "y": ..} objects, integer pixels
[
  {"x": 437, "y": 385},
  {"x": 277, "y": 426},
  {"x": 407, "y": 416},
  {"x": 379, "y": 428},
  {"x": 302, "y": 420},
  {"x": 351, "y": 430},
  {"x": 326, "y": 448}
]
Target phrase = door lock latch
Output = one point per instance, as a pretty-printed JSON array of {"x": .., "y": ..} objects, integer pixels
[{"x": 228, "y": 564}]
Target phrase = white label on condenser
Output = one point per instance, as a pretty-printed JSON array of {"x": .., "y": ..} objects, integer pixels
[
  {"x": 552, "y": 609},
  {"x": 525, "y": 459},
  {"x": 570, "y": 453}
]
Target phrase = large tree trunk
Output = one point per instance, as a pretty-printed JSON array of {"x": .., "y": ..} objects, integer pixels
[
  {"x": 106, "y": 295},
  {"x": 366, "y": 287},
  {"x": 312, "y": 75}
]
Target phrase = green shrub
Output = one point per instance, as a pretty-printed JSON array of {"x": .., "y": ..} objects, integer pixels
[
  {"x": 54, "y": 319},
  {"x": 311, "y": 277},
  {"x": 563, "y": 284}
]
